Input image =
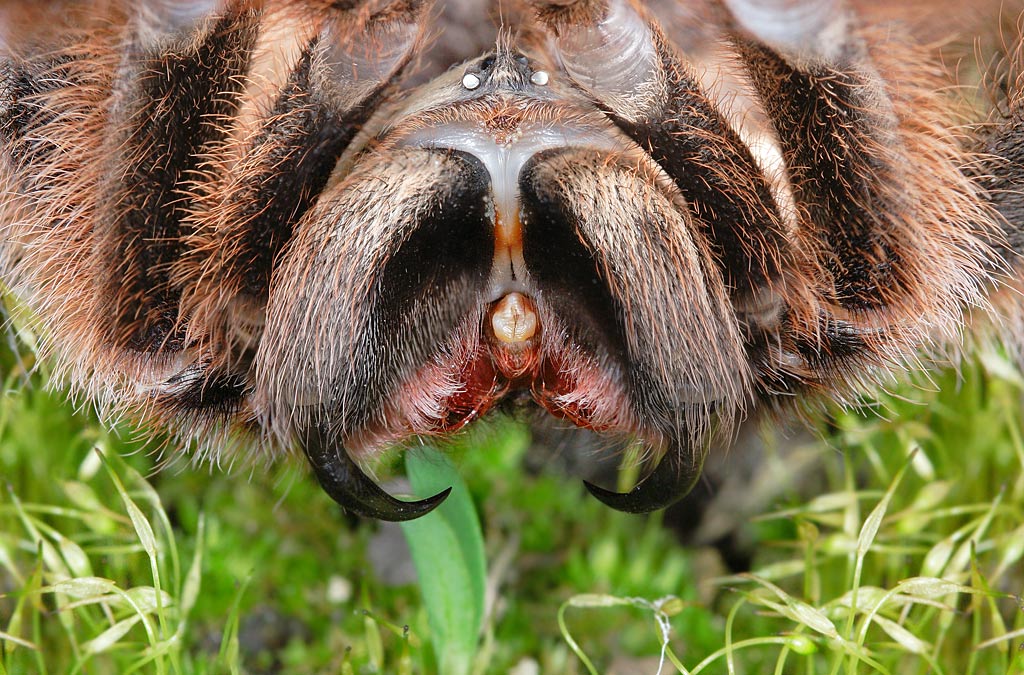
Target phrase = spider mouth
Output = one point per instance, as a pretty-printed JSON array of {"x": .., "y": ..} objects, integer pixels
[{"x": 515, "y": 344}]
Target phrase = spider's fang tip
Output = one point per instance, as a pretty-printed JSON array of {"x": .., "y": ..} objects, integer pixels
[
  {"x": 343, "y": 480},
  {"x": 670, "y": 481}
]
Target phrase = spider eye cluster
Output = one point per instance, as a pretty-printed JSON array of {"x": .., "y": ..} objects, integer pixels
[{"x": 284, "y": 225}]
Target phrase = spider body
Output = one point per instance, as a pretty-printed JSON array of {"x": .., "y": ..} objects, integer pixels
[{"x": 233, "y": 219}]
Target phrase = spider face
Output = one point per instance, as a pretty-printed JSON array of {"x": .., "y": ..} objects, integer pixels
[{"x": 232, "y": 218}]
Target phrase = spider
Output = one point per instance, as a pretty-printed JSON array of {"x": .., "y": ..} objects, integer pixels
[{"x": 276, "y": 224}]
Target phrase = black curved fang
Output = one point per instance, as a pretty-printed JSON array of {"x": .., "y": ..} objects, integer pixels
[
  {"x": 670, "y": 481},
  {"x": 345, "y": 482}
]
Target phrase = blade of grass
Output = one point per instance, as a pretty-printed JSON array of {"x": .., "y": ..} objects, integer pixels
[{"x": 447, "y": 549}]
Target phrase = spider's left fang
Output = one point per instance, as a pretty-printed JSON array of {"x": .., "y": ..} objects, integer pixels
[
  {"x": 670, "y": 481},
  {"x": 343, "y": 480}
]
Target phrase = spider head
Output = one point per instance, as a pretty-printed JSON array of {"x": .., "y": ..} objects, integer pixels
[{"x": 502, "y": 237}]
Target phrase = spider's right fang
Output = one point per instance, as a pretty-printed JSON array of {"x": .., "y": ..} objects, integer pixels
[
  {"x": 670, "y": 481},
  {"x": 343, "y": 480}
]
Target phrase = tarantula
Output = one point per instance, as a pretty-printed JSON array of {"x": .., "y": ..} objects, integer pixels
[{"x": 296, "y": 224}]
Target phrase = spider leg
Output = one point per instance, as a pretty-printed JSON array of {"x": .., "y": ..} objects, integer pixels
[
  {"x": 1002, "y": 173},
  {"x": 839, "y": 135},
  {"x": 632, "y": 71},
  {"x": 101, "y": 147},
  {"x": 281, "y": 153},
  {"x": 167, "y": 97},
  {"x": 894, "y": 228}
]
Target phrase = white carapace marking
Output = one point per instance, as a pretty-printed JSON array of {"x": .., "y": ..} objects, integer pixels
[
  {"x": 514, "y": 319},
  {"x": 504, "y": 154}
]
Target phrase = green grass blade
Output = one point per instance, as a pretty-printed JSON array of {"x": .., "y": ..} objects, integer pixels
[{"x": 448, "y": 551}]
